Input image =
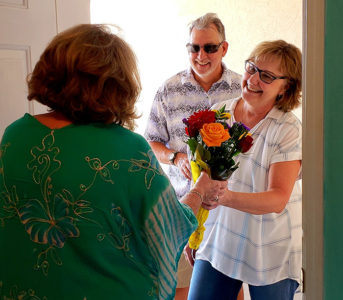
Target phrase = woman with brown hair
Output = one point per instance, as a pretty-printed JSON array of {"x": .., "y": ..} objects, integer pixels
[
  {"x": 255, "y": 235},
  {"x": 86, "y": 211}
]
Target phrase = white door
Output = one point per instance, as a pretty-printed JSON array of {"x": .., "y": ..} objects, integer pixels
[{"x": 26, "y": 27}]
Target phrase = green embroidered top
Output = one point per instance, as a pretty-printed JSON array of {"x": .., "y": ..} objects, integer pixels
[{"x": 86, "y": 212}]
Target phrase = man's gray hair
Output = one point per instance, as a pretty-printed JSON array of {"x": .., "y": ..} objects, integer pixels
[{"x": 205, "y": 21}]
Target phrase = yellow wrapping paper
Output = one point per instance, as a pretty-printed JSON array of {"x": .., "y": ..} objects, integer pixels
[{"x": 197, "y": 236}]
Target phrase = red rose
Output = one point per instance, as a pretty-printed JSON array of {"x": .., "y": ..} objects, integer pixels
[
  {"x": 245, "y": 143},
  {"x": 198, "y": 119},
  {"x": 186, "y": 130}
]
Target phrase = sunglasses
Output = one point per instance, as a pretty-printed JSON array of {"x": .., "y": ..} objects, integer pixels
[
  {"x": 265, "y": 76},
  {"x": 208, "y": 48}
]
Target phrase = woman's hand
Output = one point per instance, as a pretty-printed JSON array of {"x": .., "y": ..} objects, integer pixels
[
  {"x": 190, "y": 254},
  {"x": 207, "y": 191},
  {"x": 211, "y": 190},
  {"x": 181, "y": 161}
]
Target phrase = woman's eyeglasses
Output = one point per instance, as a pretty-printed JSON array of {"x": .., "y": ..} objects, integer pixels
[
  {"x": 264, "y": 75},
  {"x": 208, "y": 48}
]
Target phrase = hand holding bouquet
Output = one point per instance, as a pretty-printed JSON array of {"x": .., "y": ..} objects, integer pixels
[{"x": 213, "y": 144}]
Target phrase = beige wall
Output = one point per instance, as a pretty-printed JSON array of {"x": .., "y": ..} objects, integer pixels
[
  {"x": 248, "y": 22},
  {"x": 157, "y": 31}
]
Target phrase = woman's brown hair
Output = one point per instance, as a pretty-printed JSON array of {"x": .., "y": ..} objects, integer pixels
[
  {"x": 290, "y": 65},
  {"x": 88, "y": 74}
]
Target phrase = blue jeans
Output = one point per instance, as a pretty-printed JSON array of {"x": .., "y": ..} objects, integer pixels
[{"x": 207, "y": 283}]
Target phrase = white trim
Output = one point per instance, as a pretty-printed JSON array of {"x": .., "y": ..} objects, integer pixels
[
  {"x": 15, "y": 3},
  {"x": 27, "y": 50}
]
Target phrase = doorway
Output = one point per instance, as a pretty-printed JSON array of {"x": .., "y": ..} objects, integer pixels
[{"x": 300, "y": 22}]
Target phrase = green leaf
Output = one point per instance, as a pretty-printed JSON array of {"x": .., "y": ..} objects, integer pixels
[
  {"x": 199, "y": 152},
  {"x": 192, "y": 143},
  {"x": 207, "y": 155},
  {"x": 222, "y": 110},
  {"x": 236, "y": 153}
]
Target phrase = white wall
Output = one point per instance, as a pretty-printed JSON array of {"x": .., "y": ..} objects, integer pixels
[{"x": 70, "y": 13}]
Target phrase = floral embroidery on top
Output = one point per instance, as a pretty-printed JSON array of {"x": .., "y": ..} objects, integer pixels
[
  {"x": 52, "y": 227},
  {"x": 47, "y": 221},
  {"x": 151, "y": 166},
  {"x": 122, "y": 239},
  {"x": 125, "y": 229},
  {"x": 15, "y": 294},
  {"x": 52, "y": 218},
  {"x": 8, "y": 197}
]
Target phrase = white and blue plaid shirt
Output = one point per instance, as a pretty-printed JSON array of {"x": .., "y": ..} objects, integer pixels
[
  {"x": 178, "y": 98},
  {"x": 259, "y": 249}
]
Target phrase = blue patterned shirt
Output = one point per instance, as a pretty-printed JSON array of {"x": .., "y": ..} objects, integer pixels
[{"x": 178, "y": 98}]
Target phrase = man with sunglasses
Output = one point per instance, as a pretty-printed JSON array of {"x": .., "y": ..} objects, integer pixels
[{"x": 206, "y": 82}]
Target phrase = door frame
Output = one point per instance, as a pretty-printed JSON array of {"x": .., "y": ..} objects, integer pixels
[{"x": 313, "y": 147}]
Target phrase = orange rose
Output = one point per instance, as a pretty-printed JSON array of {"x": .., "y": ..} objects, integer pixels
[{"x": 213, "y": 134}]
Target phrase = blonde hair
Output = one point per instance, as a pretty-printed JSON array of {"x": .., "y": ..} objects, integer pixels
[{"x": 290, "y": 64}]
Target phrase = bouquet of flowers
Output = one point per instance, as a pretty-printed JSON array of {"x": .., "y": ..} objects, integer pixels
[{"x": 213, "y": 144}]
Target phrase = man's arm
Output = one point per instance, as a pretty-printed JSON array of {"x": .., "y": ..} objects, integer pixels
[{"x": 163, "y": 154}]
